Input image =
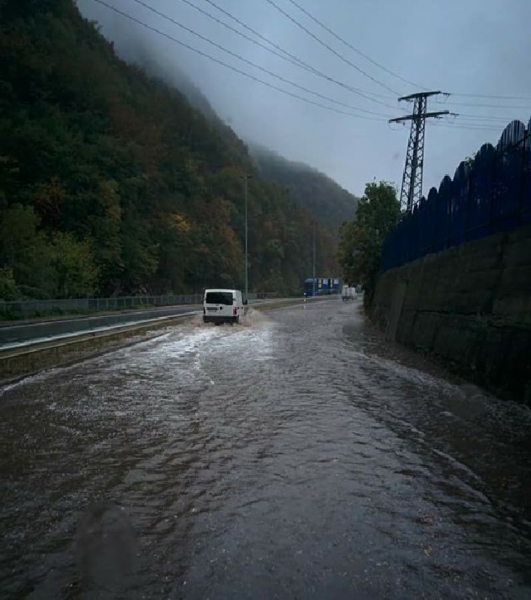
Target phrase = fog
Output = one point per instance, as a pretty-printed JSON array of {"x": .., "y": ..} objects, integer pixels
[{"x": 475, "y": 47}]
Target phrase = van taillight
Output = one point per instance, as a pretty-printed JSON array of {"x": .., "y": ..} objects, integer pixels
[
  {"x": 234, "y": 311},
  {"x": 204, "y": 310}
]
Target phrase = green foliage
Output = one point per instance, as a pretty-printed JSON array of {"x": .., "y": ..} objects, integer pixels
[
  {"x": 8, "y": 287},
  {"x": 41, "y": 266},
  {"x": 111, "y": 183},
  {"x": 73, "y": 265},
  {"x": 23, "y": 249},
  {"x": 361, "y": 239}
]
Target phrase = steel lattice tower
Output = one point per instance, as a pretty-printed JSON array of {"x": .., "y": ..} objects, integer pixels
[{"x": 411, "y": 191}]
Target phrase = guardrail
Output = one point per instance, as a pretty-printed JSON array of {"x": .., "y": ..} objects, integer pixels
[
  {"x": 51, "y": 343},
  {"x": 87, "y": 305}
]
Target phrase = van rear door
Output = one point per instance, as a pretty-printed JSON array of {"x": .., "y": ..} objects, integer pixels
[{"x": 219, "y": 303}]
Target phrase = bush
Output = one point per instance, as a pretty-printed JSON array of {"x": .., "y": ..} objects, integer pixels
[{"x": 8, "y": 287}]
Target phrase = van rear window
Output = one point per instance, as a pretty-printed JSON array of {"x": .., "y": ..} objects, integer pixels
[{"x": 218, "y": 298}]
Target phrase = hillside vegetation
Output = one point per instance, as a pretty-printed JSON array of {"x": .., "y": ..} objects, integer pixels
[
  {"x": 111, "y": 183},
  {"x": 324, "y": 198}
]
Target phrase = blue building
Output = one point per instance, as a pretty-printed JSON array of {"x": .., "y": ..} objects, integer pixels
[{"x": 323, "y": 286}]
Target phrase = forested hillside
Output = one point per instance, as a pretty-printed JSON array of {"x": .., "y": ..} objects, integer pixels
[
  {"x": 136, "y": 51},
  {"x": 324, "y": 198},
  {"x": 111, "y": 183}
]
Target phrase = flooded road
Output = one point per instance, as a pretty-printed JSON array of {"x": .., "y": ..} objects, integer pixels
[{"x": 299, "y": 456}]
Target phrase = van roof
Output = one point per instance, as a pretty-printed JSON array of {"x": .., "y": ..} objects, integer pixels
[{"x": 221, "y": 290}]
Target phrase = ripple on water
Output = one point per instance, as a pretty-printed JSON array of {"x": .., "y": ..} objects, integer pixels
[{"x": 289, "y": 456}]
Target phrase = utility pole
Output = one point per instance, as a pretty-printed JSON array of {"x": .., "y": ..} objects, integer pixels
[
  {"x": 411, "y": 191},
  {"x": 313, "y": 276},
  {"x": 246, "y": 178}
]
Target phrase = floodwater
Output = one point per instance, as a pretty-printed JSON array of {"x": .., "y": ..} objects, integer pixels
[{"x": 298, "y": 456}]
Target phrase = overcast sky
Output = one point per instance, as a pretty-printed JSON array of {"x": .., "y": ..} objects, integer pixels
[{"x": 458, "y": 46}]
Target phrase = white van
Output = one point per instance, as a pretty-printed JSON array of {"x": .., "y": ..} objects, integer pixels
[
  {"x": 348, "y": 293},
  {"x": 223, "y": 306}
]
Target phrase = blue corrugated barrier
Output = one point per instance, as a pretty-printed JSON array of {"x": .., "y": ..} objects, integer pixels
[{"x": 488, "y": 194}]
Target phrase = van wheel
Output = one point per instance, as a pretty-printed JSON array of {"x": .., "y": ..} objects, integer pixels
[{"x": 237, "y": 320}]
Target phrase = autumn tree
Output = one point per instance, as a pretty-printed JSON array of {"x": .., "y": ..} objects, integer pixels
[{"x": 361, "y": 239}]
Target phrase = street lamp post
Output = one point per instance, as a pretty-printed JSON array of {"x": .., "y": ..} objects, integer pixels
[
  {"x": 313, "y": 262},
  {"x": 246, "y": 178},
  {"x": 246, "y": 242}
]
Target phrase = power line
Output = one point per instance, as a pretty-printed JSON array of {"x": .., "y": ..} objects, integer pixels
[
  {"x": 305, "y": 65},
  {"x": 257, "y": 33},
  {"x": 504, "y": 106},
  {"x": 290, "y": 57},
  {"x": 319, "y": 41},
  {"x": 348, "y": 45},
  {"x": 458, "y": 122},
  {"x": 231, "y": 67},
  {"x": 473, "y": 126},
  {"x": 466, "y": 125},
  {"x": 281, "y": 54},
  {"x": 470, "y": 127},
  {"x": 256, "y": 66},
  {"x": 492, "y": 96},
  {"x": 485, "y": 117},
  {"x": 476, "y": 105},
  {"x": 286, "y": 56},
  {"x": 257, "y": 79},
  {"x": 301, "y": 64}
]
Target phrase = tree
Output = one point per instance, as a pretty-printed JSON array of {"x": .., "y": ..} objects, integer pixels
[
  {"x": 24, "y": 251},
  {"x": 73, "y": 267},
  {"x": 34, "y": 264},
  {"x": 8, "y": 286},
  {"x": 361, "y": 239},
  {"x": 112, "y": 183}
]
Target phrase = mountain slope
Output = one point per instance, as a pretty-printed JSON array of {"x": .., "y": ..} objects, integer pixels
[
  {"x": 327, "y": 201},
  {"x": 112, "y": 183}
]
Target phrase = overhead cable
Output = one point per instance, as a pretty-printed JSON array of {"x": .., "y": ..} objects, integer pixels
[
  {"x": 348, "y": 45},
  {"x": 491, "y": 96},
  {"x": 298, "y": 62},
  {"x": 325, "y": 45},
  {"x": 233, "y": 68},
  {"x": 255, "y": 65}
]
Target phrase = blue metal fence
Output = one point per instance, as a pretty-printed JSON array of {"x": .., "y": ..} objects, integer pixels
[{"x": 488, "y": 194}]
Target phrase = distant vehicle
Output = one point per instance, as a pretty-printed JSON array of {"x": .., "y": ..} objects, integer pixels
[
  {"x": 348, "y": 293},
  {"x": 344, "y": 292},
  {"x": 323, "y": 286},
  {"x": 223, "y": 306}
]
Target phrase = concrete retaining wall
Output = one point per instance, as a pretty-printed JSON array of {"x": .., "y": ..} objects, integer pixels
[{"x": 469, "y": 306}]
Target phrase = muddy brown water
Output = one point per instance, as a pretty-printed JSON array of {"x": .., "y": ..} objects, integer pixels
[{"x": 297, "y": 456}]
